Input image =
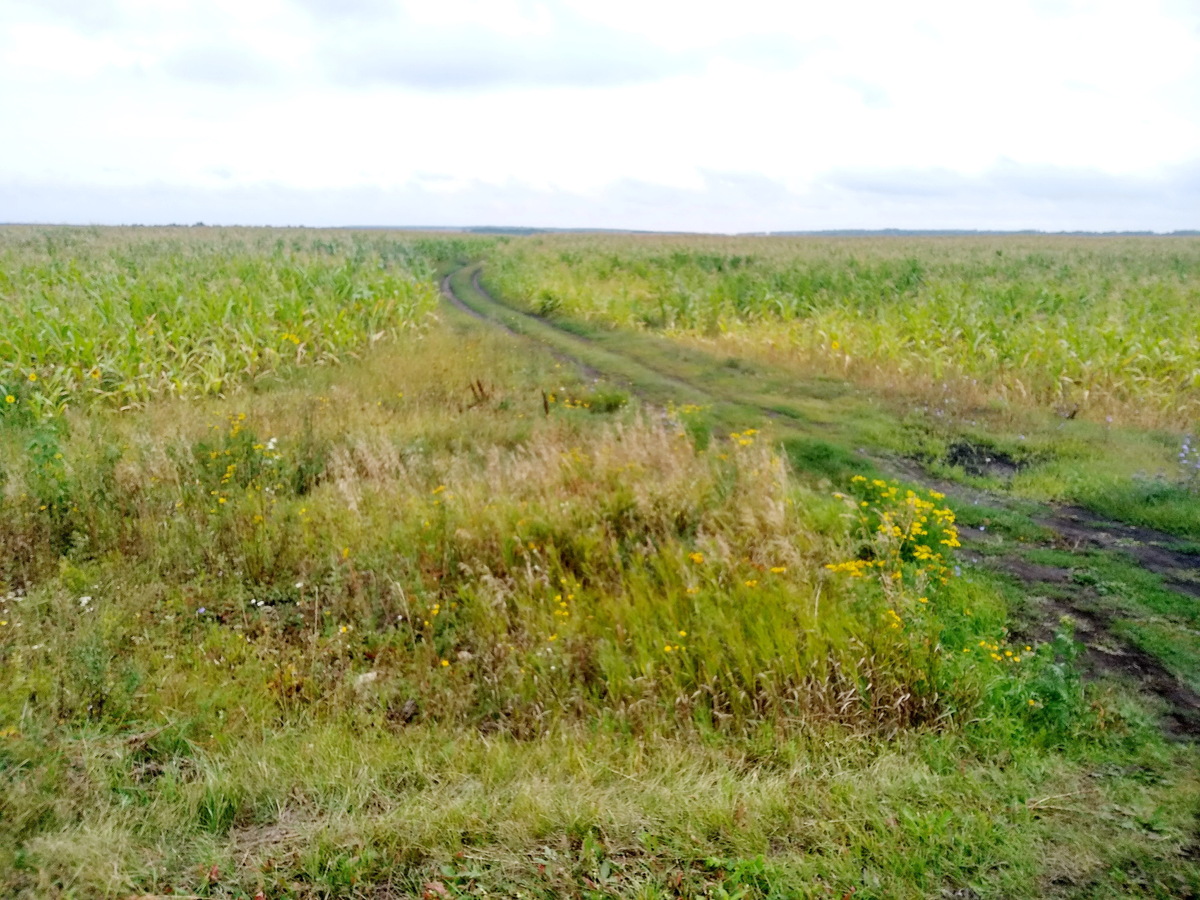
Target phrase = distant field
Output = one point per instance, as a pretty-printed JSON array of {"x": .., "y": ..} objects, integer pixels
[
  {"x": 1110, "y": 327},
  {"x": 323, "y": 586}
]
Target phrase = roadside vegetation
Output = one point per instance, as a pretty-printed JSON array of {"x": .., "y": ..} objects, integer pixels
[{"x": 340, "y": 592}]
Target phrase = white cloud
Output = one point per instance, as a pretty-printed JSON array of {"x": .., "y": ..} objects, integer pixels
[
  {"x": 471, "y": 57},
  {"x": 696, "y": 114}
]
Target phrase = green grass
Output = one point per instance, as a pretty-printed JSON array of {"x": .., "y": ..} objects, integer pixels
[
  {"x": 1155, "y": 501},
  {"x": 1121, "y": 470},
  {"x": 451, "y": 617}
]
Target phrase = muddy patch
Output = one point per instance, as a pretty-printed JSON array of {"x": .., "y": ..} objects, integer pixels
[
  {"x": 1107, "y": 654},
  {"x": 1057, "y": 598},
  {"x": 1054, "y": 591},
  {"x": 1035, "y": 573},
  {"x": 1079, "y": 529},
  {"x": 982, "y": 461}
]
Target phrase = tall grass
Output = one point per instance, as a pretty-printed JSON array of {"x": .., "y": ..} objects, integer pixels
[
  {"x": 556, "y": 564},
  {"x": 395, "y": 622}
]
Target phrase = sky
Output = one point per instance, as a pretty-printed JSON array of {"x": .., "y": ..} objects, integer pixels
[{"x": 682, "y": 115}]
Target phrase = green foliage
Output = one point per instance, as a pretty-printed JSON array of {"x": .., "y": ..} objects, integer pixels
[
  {"x": 823, "y": 458},
  {"x": 1156, "y": 502}
]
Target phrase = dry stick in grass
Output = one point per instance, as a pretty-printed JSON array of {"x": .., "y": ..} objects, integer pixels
[{"x": 1044, "y": 802}]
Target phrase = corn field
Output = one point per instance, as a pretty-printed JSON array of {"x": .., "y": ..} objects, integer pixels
[
  {"x": 124, "y": 315},
  {"x": 1107, "y": 326}
]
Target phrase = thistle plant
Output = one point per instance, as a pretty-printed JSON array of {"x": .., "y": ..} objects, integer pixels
[{"x": 1189, "y": 464}]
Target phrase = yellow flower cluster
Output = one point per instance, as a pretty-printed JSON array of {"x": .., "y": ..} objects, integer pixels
[
  {"x": 855, "y": 568},
  {"x": 668, "y": 647},
  {"x": 567, "y": 402},
  {"x": 908, "y": 528},
  {"x": 743, "y": 438},
  {"x": 999, "y": 653}
]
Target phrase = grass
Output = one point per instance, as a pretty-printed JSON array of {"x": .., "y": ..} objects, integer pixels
[
  {"x": 446, "y": 616},
  {"x": 1159, "y": 620},
  {"x": 1155, "y": 500}
]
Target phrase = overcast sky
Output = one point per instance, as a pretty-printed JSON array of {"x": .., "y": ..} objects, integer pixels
[{"x": 738, "y": 115}]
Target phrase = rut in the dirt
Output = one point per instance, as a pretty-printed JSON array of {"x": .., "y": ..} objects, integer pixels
[
  {"x": 1057, "y": 597},
  {"x": 1074, "y": 529},
  {"x": 1155, "y": 551}
]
